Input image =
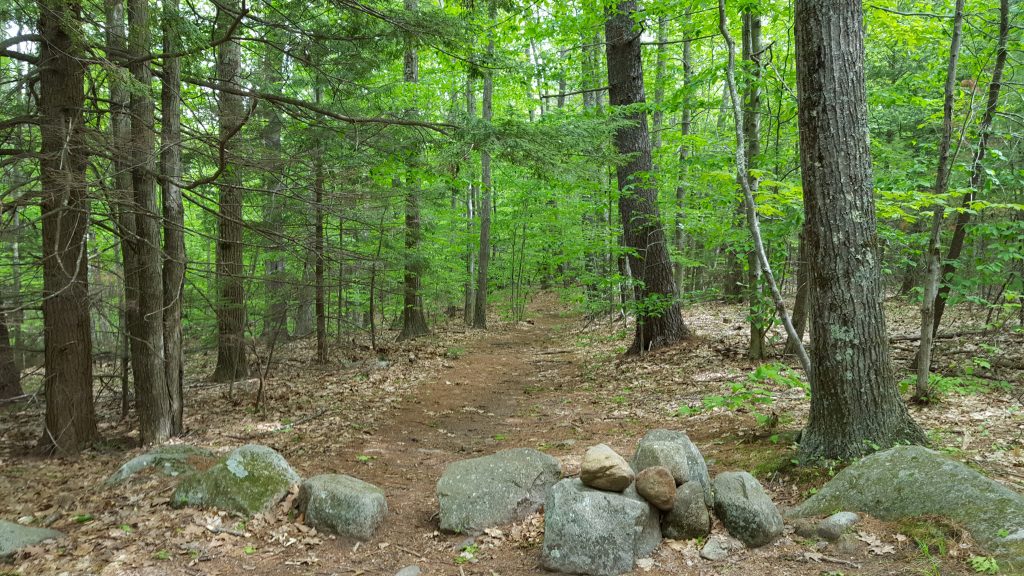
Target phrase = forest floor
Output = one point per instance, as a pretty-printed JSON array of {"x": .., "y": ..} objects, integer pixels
[{"x": 554, "y": 382}]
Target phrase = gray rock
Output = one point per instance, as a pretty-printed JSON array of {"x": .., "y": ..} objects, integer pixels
[
  {"x": 836, "y": 525},
  {"x": 658, "y": 487},
  {"x": 342, "y": 505},
  {"x": 696, "y": 468},
  {"x": 848, "y": 545},
  {"x": 745, "y": 509},
  {"x": 604, "y": 469},
  {"x": 595, "y": 532},
  {"x": 498, "y": 489},
  {"x": 908, "y": 481},
  {"x": 689, "y": 517},
  {"x": 719, "y": 547},
  {"x": 249, "y": 480},
  {"x": 169, "y": 460},
  {"x": 805, "y": 528},
  {"x": 413, "y": 570},
  {"x": 14, "y": 537}
]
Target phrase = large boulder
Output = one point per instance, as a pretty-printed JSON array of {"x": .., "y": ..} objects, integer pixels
[
  {"x": 169, "y": 460},
  {"x": 604, "y": 469},
  {"x": 673, "y": 449},
  {"x": 689, "y": 517},
  {"x": 343, "y": 505},
  {"x": 249, "y": 480},
  {"x": 595, "y": 532},
  {"x": 498, "y": 489},
  {"x": 745, "y": 509},
  {"x": 14, "y": 537},
  {"x": 908, "y": 481}
]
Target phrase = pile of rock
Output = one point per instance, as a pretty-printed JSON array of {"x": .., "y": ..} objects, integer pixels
[
  {"x": 254, "y": 478},
  {"x": 618, "y": 511}
]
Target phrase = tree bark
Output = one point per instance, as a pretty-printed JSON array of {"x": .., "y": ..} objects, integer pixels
[
  {"x": 684, "y": 154},
  {"x": 855, "y": 405},
  {"x": 414, "y": 323},
  {"x": 174, "y": 218},
  {"x": 956, "y": 243},
  {"x": 803, "y": 293},
  {"x": 318, "y": 251},
  {"x": 751, "y": 54},
  {"x": 472, "y": 192},
  {"x": 659, "y": 320},
  {"x": 152, "y": 399},
  {"x": 232, "y": 364},
  {"x": 923, "y": 391},
  {"x": 10, "y": 377},
  {"x": 275, "y": 321},
  {"x": 484, "y": 257},
  {"x": 70, "y": 414}
]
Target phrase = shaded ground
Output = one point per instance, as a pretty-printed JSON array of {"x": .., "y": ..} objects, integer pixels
[{"x": 555, "y": 383}]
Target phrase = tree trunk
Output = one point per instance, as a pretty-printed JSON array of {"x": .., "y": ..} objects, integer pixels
[
  {"x": 318, "y": 251},
  {"x": 275, "y": 320},
  {"x": 10, "y": 377},
  {"x": 480, "y": 309},
  {"x": 231, "y": 357},
  {"x": 152, "y": 399},
  {"x": 803, "y": 293},
  {"x": 684, "y": 154},
  {"x": 70, "y": 415},
  {"x": 956, "y": 244},
  {"x": 659, "y": 320},
  {"x": 751, "y": 54},
  {"x": 472, "y": 192},
  {"x": 174, "y": 218},
  {"x": 414, "y": 323},
  {"x": 855, "y": 405}
]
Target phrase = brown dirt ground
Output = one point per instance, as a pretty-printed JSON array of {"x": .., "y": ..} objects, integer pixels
[{"x": 555, "y": 383}]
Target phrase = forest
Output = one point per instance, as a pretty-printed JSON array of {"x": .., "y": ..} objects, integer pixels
[{"x": 383, "y": 239}]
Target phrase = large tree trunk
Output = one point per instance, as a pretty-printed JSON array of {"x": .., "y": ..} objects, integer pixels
[
  {"x": 855, "y": 405},
  {"x": 231, "y": 358},
  {"x": 480, "y": 308},
  {"x": 152, "y": 400},
  {"x": 472, "y": 192},
  {"x": 659, "y": 320},
  {"x": 956, "y": 244},
  {"x": 318, "y": 252},
  {"x": 122, "y": 201},
  {"x": 414, "y": 323},
  {"x": 174, "y": 219},
  {"x": 70, "y": 415}
]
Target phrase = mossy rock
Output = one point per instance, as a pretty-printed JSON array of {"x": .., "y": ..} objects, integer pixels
[
  {"x": 14, "y": 537},
  {"x": 249, "y": 480},
  {"x": 910, "y": 481},
  {"x": 170, "y": 460}
]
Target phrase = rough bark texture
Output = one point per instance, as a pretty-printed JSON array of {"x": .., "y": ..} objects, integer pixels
[
  {"x": 472, "y": 192},
  {"x": 70, "y": 415},
  {"x": 659, "y": 320},
  {"x": 855, "y": 405},
  {"x": 414, "y": 323},
  {"x": 802, "y": 303},
  {"x": 174, "y": 219},
  {"x": 484, "y": 257},
  {"x": 10, "y": 377},
  {"x": 956, "y": 243},
  {"x": 152, "y": 400},
  {"x": 231, "y": 358},
  {"x": 751, "y": 54},
  {"x": 318, "y": 255},
  {"x": 684, "y": 153},
  {"x": 278, "y": 291}
]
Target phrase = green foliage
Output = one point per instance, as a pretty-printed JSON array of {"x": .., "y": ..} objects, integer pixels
[{"x": 984, "y": 564}]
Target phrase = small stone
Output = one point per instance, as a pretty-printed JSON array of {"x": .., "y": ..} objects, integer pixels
[
  {"x": 14, "y": 537},
  {"x": 697, "y": 468},
  {"x": 604, "y": 469},
  {"x": 658, "y": 487},
  {"x": 848, "y": 545},
  {"x": 745, "y": 509},
  {"x": 836, "y": 525},
  {"x": 805, "y": 528},
  {"x": 689, "y": 517},
  {"x": 719, "y": 547},
  {"x": 413, "y": 570},
  {"x": 339, "y": 504}
]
